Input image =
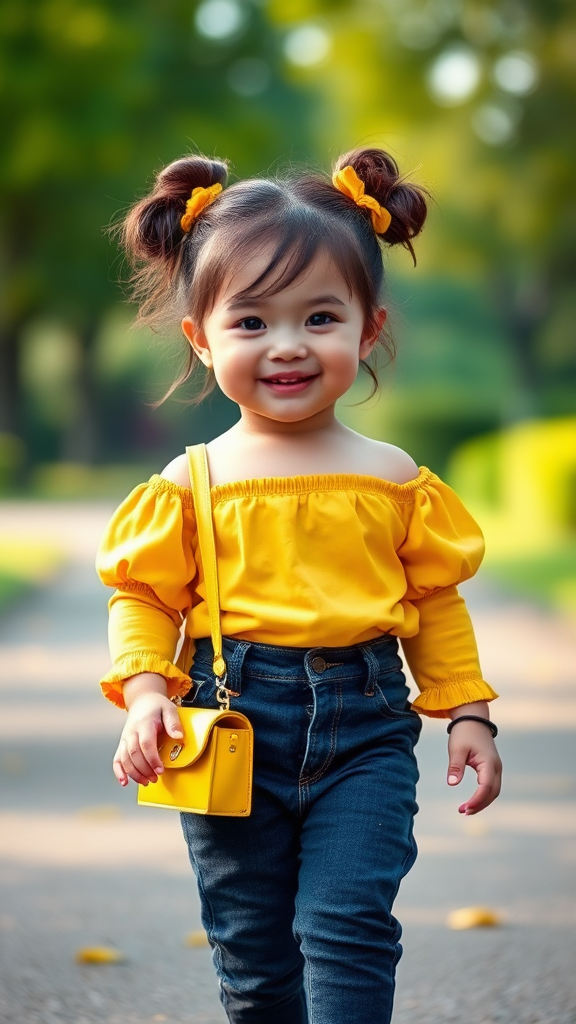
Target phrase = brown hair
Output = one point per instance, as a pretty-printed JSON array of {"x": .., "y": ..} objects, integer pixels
[{"x": 177, "y": 274}]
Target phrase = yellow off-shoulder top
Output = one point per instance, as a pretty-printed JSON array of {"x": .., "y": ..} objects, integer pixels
[{"x": 306, "y": 561}]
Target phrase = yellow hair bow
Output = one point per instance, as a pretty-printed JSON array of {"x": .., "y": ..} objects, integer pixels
[
  {"x": 199, "y": 200},
  {"x": 348, "y": 182}
]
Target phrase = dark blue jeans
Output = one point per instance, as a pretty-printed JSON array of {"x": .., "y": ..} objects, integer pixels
[{"x": 297, "y": 898}]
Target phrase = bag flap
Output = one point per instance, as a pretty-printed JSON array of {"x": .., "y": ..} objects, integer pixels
[{"x": 197, "y": 725}]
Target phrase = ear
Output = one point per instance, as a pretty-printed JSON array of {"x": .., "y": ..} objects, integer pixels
[
  {"x": 198, "y": 341},
  {"x": 371, "y": 332}
]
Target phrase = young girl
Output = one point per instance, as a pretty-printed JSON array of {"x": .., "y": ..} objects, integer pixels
[{"x": 331, "y": 547}]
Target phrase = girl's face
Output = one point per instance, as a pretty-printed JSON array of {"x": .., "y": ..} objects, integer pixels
[{"x": 289, "y": 356}]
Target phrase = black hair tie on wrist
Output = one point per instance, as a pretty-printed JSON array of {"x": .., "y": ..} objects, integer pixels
[{"x": 474, "y": 718}]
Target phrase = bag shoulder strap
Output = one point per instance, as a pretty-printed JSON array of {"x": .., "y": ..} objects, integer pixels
[{"x": 200, "y": 482}]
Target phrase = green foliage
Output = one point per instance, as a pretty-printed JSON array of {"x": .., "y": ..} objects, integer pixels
[
  {"x": 479, "y": 97},
  {"x": 12, "y": 589},
  {"x": 12, "y": 460},
  {"x": 71, "y": 481},
  {"x": 549, "y": 578},
  {"x": 96, "y": 95}
]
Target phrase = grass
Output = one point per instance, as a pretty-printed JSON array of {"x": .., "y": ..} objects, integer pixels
[
  {"x": 12, "y": 588},
  {"x": 548, "y": 577},
  {"x": 25, "y": 564}
]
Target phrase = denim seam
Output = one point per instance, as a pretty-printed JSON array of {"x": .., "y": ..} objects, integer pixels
[
  {"x": 387, "y": 707},
  {"x": 308, "y": 983},
  {"x": 330, "y": 756},
  {"x": 250, "y": 673},
  {"x": 215, "y": 945},
  {"x": 303, "y": 796}
]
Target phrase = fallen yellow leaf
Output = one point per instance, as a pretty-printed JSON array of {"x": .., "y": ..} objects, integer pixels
[
  {"x": 473, "y": 917},
  {"x": 196, "y": 939},
  {"x": 99, "y": 955}
]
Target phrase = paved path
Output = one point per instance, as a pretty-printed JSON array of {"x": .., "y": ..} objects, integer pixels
[{"x": 81, "y": 865}]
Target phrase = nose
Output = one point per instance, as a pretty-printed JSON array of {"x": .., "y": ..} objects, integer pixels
[{"x": 286, "y": 345}]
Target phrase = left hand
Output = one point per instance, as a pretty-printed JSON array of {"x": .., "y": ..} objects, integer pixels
[{"x": 471, "y": 743}]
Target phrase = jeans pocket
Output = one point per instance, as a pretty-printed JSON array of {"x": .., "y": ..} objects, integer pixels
[
  {"x": 392, "y": 696},
  {"x": 203, "y": 689}
]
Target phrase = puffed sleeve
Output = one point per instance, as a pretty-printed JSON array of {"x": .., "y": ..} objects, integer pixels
[
  {"x": 443, "y": 547},
  {"x": 146, "y": 553}
]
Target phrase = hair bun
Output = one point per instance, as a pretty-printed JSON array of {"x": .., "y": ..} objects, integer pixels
[
  {"x": 152, "y": 228},
  {"x": 405, "y": 201}
]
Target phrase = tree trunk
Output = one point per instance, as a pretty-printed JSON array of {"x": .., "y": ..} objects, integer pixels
[
  {"x": 10, "y": 384},
  {"x": 522, "y": 308},
  {"x": 81, "y": 438}
]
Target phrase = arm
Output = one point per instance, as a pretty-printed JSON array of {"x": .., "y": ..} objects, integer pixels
[
  {"x": 143, "y": 635},
  {"x": 443, "y": 658},
  {"x": 146, "y": 553}
]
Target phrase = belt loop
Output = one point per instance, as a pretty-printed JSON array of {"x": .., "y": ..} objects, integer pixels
[
  {"x": 373, "y": 669},
  {"x": 234, "y": 663}
]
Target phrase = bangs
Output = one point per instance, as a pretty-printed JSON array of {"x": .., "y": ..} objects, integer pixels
[{"x": 294, "y": 237}]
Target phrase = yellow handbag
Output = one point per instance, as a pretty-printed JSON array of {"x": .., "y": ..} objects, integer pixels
[{"x": 208, "y": 771}]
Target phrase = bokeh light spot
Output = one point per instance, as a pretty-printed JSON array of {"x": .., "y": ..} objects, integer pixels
[
  {"x": 249, "y": 76},
  {"x": 454, "y": 76},
  {"x": 218, "y": 19},
  {"x": 418, "y": 30},
  {"x": 481, "y": 25},
  {"x": 517, "y": 73},
  {"x": 494, "y": 124},
  {"x": 87, "y": 27},
  {"x": 307, "y": 45}
]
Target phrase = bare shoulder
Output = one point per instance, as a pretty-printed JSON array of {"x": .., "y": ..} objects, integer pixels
[
  {"x": 402, "y": 467},
  {"x": 177, "y": 471},
  {"x": 389, "y": 462}
]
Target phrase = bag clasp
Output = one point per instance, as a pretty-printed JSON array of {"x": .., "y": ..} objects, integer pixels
[{"x": 223, "y": 694}]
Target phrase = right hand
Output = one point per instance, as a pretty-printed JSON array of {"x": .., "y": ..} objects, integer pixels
[{"x": 137, "y": 757}]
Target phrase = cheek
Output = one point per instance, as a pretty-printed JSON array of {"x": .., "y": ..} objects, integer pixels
[
  {"x": 234, "y": 368},
  {"x": 345, "y": 362}
]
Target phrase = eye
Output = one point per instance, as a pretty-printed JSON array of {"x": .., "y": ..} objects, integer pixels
[
  {"x": 320, "y": 319},
  {"x": 252, "y": 323}
]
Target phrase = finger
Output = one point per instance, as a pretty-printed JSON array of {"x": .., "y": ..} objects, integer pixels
[
  {"x": 133, "y": 759},
  {"x": 171, "y": 722},
  {"x": 488, "y": 775},
  {"x": 485, "y": 794},
  {"x": 456, "y": 767},
  {"x": 149, "y": 747},
  {"x": 135, "y": 774},
  {"x": 119, "y": 771}
]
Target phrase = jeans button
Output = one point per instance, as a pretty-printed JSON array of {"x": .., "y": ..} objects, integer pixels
[{"x": 318, "y": 664}]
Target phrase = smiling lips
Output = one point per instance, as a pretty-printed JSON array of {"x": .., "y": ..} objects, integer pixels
[{"x": 291, "y": 381}]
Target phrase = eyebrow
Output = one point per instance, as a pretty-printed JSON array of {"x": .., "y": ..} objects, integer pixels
[{"x": 319, "y": 300}]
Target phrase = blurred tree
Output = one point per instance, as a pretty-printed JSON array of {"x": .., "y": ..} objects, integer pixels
[
  {"x": 480, "y": 95},
  {"x": 95, "y": 97}
]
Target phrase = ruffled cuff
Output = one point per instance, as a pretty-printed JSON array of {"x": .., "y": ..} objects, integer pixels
[
  {"x": 436, "y": 701},
  {"x": 178, "y": 682}
]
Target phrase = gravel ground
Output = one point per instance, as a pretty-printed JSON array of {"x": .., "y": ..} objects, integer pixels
[{"x": 80, "y": 865}]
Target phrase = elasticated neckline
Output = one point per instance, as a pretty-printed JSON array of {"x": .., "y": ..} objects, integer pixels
[{"x": 283, "y": 485}]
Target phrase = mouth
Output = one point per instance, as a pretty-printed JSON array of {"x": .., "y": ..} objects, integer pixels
[{"x": 289, "y": 382}]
